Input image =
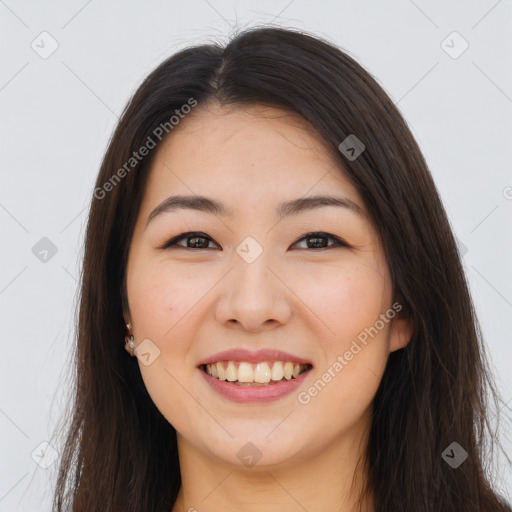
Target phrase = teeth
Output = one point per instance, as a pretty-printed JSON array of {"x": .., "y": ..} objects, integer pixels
[
  {"x": 220, "y": 370},
  {"x": 262, "y": 373},
  {"x": 245, "y": 372},
  {"x": 259, "y": 373},
  {"x": 231, "y": 372},
  {"x": 277, "y": 371}
]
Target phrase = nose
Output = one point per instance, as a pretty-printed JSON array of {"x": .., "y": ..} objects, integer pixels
[{"x": 253, "y": 297}]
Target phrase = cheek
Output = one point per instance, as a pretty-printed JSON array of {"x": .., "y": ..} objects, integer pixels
[
  {"x": 350, "y": 302},
  {"x": 347, "y": 382},
  {"x": 161, "y": 310},
  {"x": 357, "y": 353},
  {"x": 348, "y": 298},
  {"x": 174, "y": 401},
  {"x": 159, "y": 299}
]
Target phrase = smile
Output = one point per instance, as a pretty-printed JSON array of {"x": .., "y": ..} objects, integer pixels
[{"x": 264, "y": 373}]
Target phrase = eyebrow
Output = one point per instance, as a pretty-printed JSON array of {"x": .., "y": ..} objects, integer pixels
[{"x": 285, "y": 209}]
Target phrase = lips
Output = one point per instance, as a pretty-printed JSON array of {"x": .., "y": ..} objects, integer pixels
[
  {"x": 254, "y": 393},
  {"x": 254, "y": 377}
]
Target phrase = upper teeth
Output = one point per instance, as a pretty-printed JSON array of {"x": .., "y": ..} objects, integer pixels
[{"x": 258, "y": 372}]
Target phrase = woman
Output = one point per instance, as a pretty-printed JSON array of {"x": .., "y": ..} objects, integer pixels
[{"x": 268, "y": 242}]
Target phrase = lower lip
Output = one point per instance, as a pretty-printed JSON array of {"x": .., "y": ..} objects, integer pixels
[{"x": 254, "y": 394}]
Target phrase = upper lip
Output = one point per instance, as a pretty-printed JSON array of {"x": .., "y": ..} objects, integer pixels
[{"x": 258, "y": 356}]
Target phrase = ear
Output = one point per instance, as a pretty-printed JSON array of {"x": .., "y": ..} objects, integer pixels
[{"x": 401, "y": 332}]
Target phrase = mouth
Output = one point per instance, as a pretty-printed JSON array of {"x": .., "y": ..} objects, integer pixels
[{"x": 259, "y": 374}]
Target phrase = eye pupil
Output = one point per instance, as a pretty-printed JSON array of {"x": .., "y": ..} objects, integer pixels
[
  {"x": 203, "y": 246},
  {"x": 316, "y": 242}
]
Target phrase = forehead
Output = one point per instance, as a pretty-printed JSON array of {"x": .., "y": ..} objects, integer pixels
[
  {"x": 219, "y": 123},
  {"x": 242, "y": 149}
]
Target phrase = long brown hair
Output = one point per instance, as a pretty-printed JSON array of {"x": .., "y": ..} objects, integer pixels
[{"x": 120, "y": 453}]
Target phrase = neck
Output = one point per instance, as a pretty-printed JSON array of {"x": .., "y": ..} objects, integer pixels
[{"x": 331, "y": 480}]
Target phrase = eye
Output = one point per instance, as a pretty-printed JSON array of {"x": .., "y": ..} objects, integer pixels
[
  {"x": 200, "y": 241},
  {"x": 317, "y": 237}
]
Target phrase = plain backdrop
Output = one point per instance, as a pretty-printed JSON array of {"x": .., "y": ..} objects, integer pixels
[{"x": 68, "y": 68}]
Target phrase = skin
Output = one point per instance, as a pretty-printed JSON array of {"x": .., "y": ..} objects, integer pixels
[{"x": 309, "y": 302}]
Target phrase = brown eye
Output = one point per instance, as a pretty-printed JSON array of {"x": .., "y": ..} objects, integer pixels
[
  {"x": 319, "y": 240},
  {"x": 197, "y": 241}
]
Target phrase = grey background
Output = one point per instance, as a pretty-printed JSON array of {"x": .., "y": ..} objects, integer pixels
[{"x": 57, "y": 114}]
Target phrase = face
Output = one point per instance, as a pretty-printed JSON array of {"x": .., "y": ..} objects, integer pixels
[{"x": 249, "y": 279}]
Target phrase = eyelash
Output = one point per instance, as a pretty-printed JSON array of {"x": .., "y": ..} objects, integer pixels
[{"x": 338, "y": 242}]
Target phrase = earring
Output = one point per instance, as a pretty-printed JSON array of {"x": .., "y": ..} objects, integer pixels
[{"x": 129, "y": 343}]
